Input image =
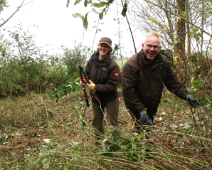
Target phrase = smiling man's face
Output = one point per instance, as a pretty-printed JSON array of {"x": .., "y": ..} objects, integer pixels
[{"x": 151, "y": 47}]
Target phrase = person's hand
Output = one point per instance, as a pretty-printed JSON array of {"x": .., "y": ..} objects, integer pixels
[
  {"x": 91, "y": 86},
  {"x": 82, "y": 85},
  {"x": 145, "y": 119},
  {"x": 192, "y": 101}
]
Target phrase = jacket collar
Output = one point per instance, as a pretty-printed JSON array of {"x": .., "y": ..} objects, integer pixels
[
  {"x": 142, "y": 56},
  {"x": 95, "y": 57}
]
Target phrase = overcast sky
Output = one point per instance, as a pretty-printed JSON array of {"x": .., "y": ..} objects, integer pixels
[{"x": 56, "y": 26}]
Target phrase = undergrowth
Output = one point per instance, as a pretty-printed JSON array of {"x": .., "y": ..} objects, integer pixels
[{"x": 38, "y": 133}]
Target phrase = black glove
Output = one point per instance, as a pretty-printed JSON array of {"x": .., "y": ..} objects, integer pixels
[
  {"x": 192, "y": 101},
  {"x": 145, "y": 119}
]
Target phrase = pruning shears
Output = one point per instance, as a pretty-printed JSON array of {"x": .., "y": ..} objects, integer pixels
[{"x": 82, "y": 73}]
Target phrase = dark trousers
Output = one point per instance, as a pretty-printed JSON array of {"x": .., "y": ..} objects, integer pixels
[{"x": 112, "y": 108}]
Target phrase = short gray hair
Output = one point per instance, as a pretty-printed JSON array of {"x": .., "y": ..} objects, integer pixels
[{"x": 154, "y": 34}]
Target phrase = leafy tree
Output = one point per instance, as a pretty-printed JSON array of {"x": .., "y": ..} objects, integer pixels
[
  {"x": 24, "y": 67},
  {"x": 74, "y": 57},
  {"x": 3, "y": 4},
  {"x": 114, "y": 52},
  {"x": 26, "y": 52},
  {"x": 57, "y": 74}
]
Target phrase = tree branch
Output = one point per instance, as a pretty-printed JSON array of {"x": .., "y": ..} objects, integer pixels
[
  {"x": 171, "y": 12},
  {"x": 130, "y": 29},
  {"x": 12, "y": 14}
]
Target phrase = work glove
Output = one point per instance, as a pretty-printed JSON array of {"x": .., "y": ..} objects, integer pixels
[
  {"x": 145, "y": 119},
  {"x": 91, "y": 86},
  {"x": 192, "y": 101}
]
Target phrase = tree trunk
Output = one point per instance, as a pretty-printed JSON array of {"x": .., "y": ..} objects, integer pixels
[{"x": 180, "y": 45}]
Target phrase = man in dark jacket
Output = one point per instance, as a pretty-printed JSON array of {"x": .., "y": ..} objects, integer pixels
[
  {"x": 103, "y": 73},
  {"x": 143, "y": 78}
]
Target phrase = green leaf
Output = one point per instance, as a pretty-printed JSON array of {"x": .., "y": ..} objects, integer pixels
[
  {"x": 197, "y": 36},
  {"x": 77, "y": 15},
  {"x": 77, "y": 1},
  {"x": 110, "y": 1},
  {"x": 100, "y": 15},
  {"x": 100, "y": 5},
  {"x": 207, "y": 100},
  {"x": 46, "y": 163},
  {"x": 209, "y": 112},
  {"x": 175, "y": 61},
  {"x": 124, "y": 10},
  {"x": 85, "y": 22},
  {"x": 68, "y": 1},
  {"x": 154, "y": 21},
  {"x": 85, "y": 3}
]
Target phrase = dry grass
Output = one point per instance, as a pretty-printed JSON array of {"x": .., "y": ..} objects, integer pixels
[{"x": 37, "y": 133}]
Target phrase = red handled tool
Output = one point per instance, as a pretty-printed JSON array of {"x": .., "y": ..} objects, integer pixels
[
  {"x": 82, "y": 73},
  {"x": 82, "y": 80}
]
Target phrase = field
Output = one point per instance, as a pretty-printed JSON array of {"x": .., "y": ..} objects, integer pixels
[
  {"x": 38, "y": 133},
  {"x": 121, "y": 64}
]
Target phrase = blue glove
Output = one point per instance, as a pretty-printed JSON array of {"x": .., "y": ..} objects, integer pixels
[
  {"x": 192, "y": 101},
  {"x": 145, "y": 119}
]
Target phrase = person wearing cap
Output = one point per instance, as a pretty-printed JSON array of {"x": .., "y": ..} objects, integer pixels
[
  {"x": 103, "y": 73},
  {"x": 143, "y": 78}
]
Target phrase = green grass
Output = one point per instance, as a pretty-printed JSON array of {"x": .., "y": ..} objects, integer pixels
[{"x": 121, "y": 63}]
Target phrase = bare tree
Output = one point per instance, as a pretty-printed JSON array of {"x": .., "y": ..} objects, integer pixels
[{"x": 180, "y": 24}]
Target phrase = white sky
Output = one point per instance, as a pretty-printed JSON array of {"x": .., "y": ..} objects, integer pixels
[{"x": 56, "y": 25}]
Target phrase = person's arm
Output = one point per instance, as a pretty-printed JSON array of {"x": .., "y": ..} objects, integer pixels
[
  {"x": 177, "y": 88},
  {"x": 129, "y": 82}
]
